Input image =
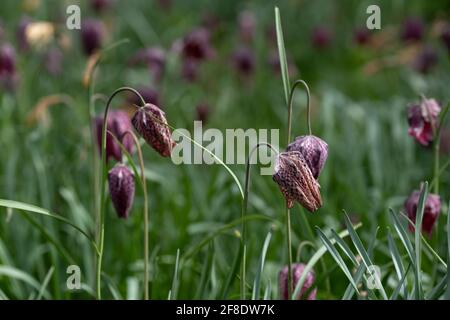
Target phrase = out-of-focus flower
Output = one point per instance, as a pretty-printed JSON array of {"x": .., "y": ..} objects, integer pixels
[
  {"x": 8, "y": 74},
  {"x": 361, "y": 36},
  {"x": 92, "y": 33},
  {"x": 274, "y": 62},
  {"x": 38, "y": 34},
  {"x": 321, "y": 37},
  {"x": 189, "y": 69},
  {"x": 244, "y": 61},
  {"x": 150, "y": 122},
  {"x": 422, "y": 120},
  {"x": 431, "y": 212},
  {"x": 21, "y": 33},
  {"x": 247, "y": 25},
  {"x": 101, "y": 5},
  {"x": 202, "y": 112},
  {"x": 313, "y": 149},
  {"x": 53, "y": 59},
  {"x": 425, "y": 60},
  {"x": 445, "y": 36},
  {"x": 297, "y": 271},
  {"x": 118, "y": 123},
  {"x": 121, "y": 189},
  {"x": 412, "y": 29},
  {"x": 153, "y": 57},
  {"x": 149, "y": 94},
  {"x": 196, "y": 45},
  {"x": 296, "y": 181}
]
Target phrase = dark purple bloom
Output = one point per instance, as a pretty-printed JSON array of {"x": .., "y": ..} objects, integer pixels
[
  {"x": 196, "y": 45},
  {"x": 92, "y": 33},
  {"x": 297, "y": 271},
  {"x": 321, "y": 37},
  {"x": 21, "y": 33},
  {"x": 412, "y": 29},
  {"x": 101, "y": 5},
  {"x": 313, "y": 149},
  {"x": 244, "y": 61},
  {"x": 150, "y": 122},
  {"x": 121, "y": 189},
  {"x": 247, "y": 25},
  {"x": 118, "y": 123},
  {"x": 361, "y": 36},
  {"x": 422, "y": 118},
  {"x": 154, "y": 58},
  {"x": 8, "y": 74},
  {"x": 53, "y": 59},
  {"x": 202, "y": 112},
  {"x": 431, "y": 212},
  {"x": 296, "y": 181},
  {"x": 445, "y": 36},
  {"x": 426, "y": 60},
  {"x": 149, "y": 94}
]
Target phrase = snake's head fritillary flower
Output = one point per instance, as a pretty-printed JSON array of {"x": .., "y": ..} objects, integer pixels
[
  {"x": 361, "y": 36},
  {"x": 8, "y": 74},
  {"x": 21, "y": 33},
  {"x": 321, "y": 37},
  {"x": 121, "y": 189},
  {"x": 296, "y": 181},
  {"x": 412, "y": 29},
  {"x": 247, "y": 25},
  {"x": 153, "y": 57},
  {"x": 101, "y": 5},
  {"x": 150, "y": 122},
  {"x": 53, "y": 61},
  {"x": 92, "y": 33},
  {"x": 196, "y": 45},
  {"x": 244, "y": 61},
  {"x": 202, "y": 112},
  {"x": 422, "y": 118},
  {"x": 425, "y": 60},
  {"x": 118, "y": 123},
  {"x": 190, "y": 69},
  {"x": 314, "y": 151},
  {"x": 431, "y": 212},
  {"x": 297, "y": 271}
]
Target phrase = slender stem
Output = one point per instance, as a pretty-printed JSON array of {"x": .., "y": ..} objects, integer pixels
[
  {"x": 101, "y": 226},
  {"x": 145, "y": 212},
  {"x": 289, "y": 247},
  {"x": 308, "y": 106},
  {"x": 437, "y": 142},
  {"x": 245, "y": 207}
]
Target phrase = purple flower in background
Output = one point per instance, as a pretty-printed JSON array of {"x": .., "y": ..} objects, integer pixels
[
  {"x": 118, "y": 123},
  {"x": 121, "y": 189},
  {"x": 431, "y": 212},
  {"x": 189, "y": 69},
  {"x": 196, "y": 45},
  {"x": 412, "y": 29},
  {"x": 150, "y": 122},
  {"x": 445, "y": 36},
  {"x": 8, "y": 74},
  {"x": 149, "y": 94},
  {"x": 202, "y": 112},
  {"x": 296, "y": 181},
  {"x": 21, "y": 33},
  {"x": 422, "y": 118},
  {"x": 153, "y": 57},
  {"x": 92, "y": 33},
  {"x": 53, "y": 59},
  {"x": 297, "y": 271},
  {"x": 361, "y": 36},
  {"x": 247, "y": 25},
  {"x": 244, "y": 61},
  {"x": 101, "y": 5},
  {"x": 313, "y": 149},
  {"x": 425, "y": 60},
  {"x": 321, "y": 37}
]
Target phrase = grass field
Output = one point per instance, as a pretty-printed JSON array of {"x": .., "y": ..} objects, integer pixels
[{"x": 51, "y": 214}]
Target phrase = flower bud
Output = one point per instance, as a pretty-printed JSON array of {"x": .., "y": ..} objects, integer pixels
[
  {"x": 296, "y": 181},
  {"x": 150, "y": 122},
  {"x": 431, "y": 211},
  {"x": 92, "y": 33},
  {"x": 297, "y": 271},
  {"x": 121, "y": 189},
  {"x": 313, "y": 149},
  {"x": 118, "y": 123},
  {"x": 422, "y": 118}
]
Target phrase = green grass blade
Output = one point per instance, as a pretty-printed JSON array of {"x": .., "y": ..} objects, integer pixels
[
  {"x": 173, "y": 291},
  {"x": 206, "y": 270},
  {"x": 268, "y": 291},
  {"x": 437, "y": 291},
  {"x": 397, "y": 260},
  {"x": 233, "y": 272},
  {"x": 401, "y": 284},
  {"x": 259, "y": 271},
  {"x": 282, "y": 55},
  {"x": 403, "y": 236},
  {"x": 336, "y": 256},
  {"x": 344, "y": 247},
  {"x": 447, "y": 292},
  {"x": 44, "y": 284},
  {"x": 417, "y": 241},
  {"x": 15, "y": 273}
]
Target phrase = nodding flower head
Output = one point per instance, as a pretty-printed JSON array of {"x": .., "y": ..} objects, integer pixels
[
  {"x": 202, "y": 112},
  {"x": 431, "y": 212},
  {"x": 92, "y": 33},
  {"x": 196, "y": 45},
  {"x": 296, "y": 181},
  {"x": 121, "y": 189},
  {"x": 313, "y": 149},
  {"x": 247, "y": 25},
  {"x": 412, "y": 29},
  {"x": 297, "y": 271},
  {"x": 118, "y": 123},
  {"x": 361, "y": 36},
  {"x": 244, "y": 61},
  {"x": 422, "y": 120},
  {"x": 53, "y": 59},
  {"x": 321, "y": 37},
  {"x": 150, "y": 122},
  {"x": 21, "y": 33},
  {"x": 425, "y": 60},
  {"x": 8, "y": 74},
  {"x": 153, "y": 57}
]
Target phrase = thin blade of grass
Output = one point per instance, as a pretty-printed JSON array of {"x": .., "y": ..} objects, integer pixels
[
  {"x": 417, "y": 235},
  {"x": 397, "y": 260},
  {"x": 267, "y": 292},
  {"x": 44, "y": 284},
  {"x": 400, "y": 285},
  {"x": 173, "y": 291},
  {"x": 282, "y": 55},
  {"x": 438, "y": 290},
  {"x": 206, "y": 269},
  {"x": 15, "y": 273},
  {"x": 233, "y": 272},
  {"x": 447, "y": 292},
  {"x": 403, "y": 236},
  {"x": 262, "y": 259}
]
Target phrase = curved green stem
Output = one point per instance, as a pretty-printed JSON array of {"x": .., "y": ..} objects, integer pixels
[
  {"x": 245, "y": 207},
  {"x": 436, "y": 146},
  {"x": 101, "y": 226},
  {"x": 145, "y": 212},
  {"x": 291, "y": 98}
]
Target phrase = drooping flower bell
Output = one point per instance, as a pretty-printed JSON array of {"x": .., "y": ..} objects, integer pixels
[
  {"x": 150, "y": 122},
  {"x": 121, "y": 189},
  {"x": 431, "y": 212},
  {"x": 196, "y": 45},
  {"x": 296, "y": 181},
  {"x": 118, "y": 123},
  {"x": 8, "y": 74},
  {"x": 297, "y": 271},
  {"x": 154, "y": 58},
  {"x": 53, "y": 59},
  {"x": 202, "y": 112},
  {"x": 92, "y": 33},
  {"x": 412, "y": 29},
  {"x": 247, "y": 25},
  {"x": 313, "y": 149},
  {"x": 321, "y": 37},
  {"x": 361, "y": 36},
  {"x": 244, "y": 61},
  {"x": 422, "y": 120}
]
